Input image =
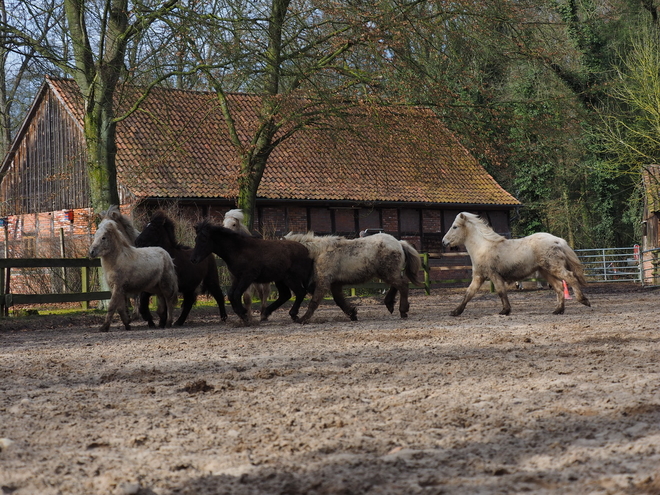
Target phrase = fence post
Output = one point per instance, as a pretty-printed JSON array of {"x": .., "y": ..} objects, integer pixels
[
  {"x": 84, "y": 281},
  {"x": 2, "y": 292},
  {"x": 427, "y": 273}
]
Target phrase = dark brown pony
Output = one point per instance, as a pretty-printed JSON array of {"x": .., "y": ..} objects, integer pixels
[
  {"x": 160, "y": 232},
  {"x": 250, "y": 260}
]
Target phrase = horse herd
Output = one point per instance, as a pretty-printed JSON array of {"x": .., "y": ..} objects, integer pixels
[{"x": 153, "y": 263}]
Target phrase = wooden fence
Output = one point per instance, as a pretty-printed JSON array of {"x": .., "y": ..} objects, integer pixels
[{"x": 439, "y": 269}]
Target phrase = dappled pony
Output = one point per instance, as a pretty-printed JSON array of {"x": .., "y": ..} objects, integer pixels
[
  {"x": 234, "y": 220},
  {"x": 503, "y": 260},
  {"x": 253, "y": 260},
  {"x": 126, "y": 227},
  {"x": 190, "y": 276},
  {"x": 339, "y": 261},
  {"x": 129, "y": 270}
]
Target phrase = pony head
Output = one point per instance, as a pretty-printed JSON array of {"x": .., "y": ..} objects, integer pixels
[
  {"x": 457, "y": 233},
  {"x": 469, "y": 227},
  {"x": 108, "y": 238},
  {"x": 234, "y": 220},
  {"x": 203, "y": 241},
  {"x": 158, "y": 232}
]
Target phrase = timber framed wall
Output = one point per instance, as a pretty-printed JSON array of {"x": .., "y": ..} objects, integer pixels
[{"x": 46, "y": 171}]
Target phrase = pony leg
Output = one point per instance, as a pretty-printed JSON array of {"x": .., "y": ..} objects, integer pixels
[
  {"x": 477, "y": 281},
  {"x": 389, "y": 298},
  {"x": 170, "y": 304},
  {"x": 189, "y": 299},
  {"x": 404, "y": 305},
  {"x": 558, "y": 287},
  {"x": 236, "y": 294},
  {"x": 337, "y": 291},
  {"x": 575, "y": 284},
  {"x": 319, "y": 292},
  {"x": 264, "y": 292},
  {"x": 283, "y": 295},
  {"x": 247, "y": 302},
  {"x": 300, "y": 293},
  {"x": 144, "y": 309},
  {"x": 219, "y": 297},
  {"x": 116, "y": 300},
  {"x": 500, "y": 288},
  {"x": 162, "y": 311}
]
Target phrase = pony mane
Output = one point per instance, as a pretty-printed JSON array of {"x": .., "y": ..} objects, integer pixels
[
  {"x": 315, "y": 244},
  {"x": 208, "y": 226},
  {"x": 482, "y": 226},
  {"x": 124, "y": 224},
  {"x": 168, "y": 225}
]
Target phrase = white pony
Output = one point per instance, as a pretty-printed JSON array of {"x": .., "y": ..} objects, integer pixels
[
  {"x": 233, "y": 220},
  {"x": 129, "y": 270},
  {"x": 339, "y": 261},
  {"x": 505, "y": 260},
  {"x": 126, "y": 227}
]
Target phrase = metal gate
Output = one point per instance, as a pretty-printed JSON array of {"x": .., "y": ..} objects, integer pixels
[
  {"x": 621, "y": 265},
  {"x": 611, "y": 264}
]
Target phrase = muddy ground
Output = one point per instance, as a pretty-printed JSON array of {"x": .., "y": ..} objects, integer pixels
[{"x": 476, "y": 404}]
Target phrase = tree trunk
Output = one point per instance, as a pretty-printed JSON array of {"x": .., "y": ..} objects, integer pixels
[
  {"x": 253, "y": 168},
  {"x": 100, "y": 130}
]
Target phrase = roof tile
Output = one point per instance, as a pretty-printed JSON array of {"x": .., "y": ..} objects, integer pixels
[{"x": 177, "y": 145}]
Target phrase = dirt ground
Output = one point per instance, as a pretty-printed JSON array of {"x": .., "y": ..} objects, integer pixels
[{"x": 475, "y": 404}]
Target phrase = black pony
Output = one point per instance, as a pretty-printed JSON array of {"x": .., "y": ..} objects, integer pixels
[
  {"x": 160, "y": 232},
  {"x": 250, "y": 260}
]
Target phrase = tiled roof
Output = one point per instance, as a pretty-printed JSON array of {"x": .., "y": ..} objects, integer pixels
[{"x": 177, "y": 146}]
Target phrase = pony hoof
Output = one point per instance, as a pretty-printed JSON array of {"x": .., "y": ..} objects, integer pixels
[
  {"x": 404, "y": 315},
  {"x": 104, "y": 329},
  {"x": 455, "y": 313},
  {"x": 505, "y": 312},
  {"x": 558, "y": 311},
  {"x": 586, "y": 302},
  {"x": 127, "y": 327}
]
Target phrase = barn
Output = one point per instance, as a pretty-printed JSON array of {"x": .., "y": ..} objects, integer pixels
[
  {"x": 395, "y": 169},
  {"x": 651, "y": 224}
]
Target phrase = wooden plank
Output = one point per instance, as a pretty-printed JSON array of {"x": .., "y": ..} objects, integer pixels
[
  {"x": 11, "y": 299},
  {"x": 49, "y": 262}
]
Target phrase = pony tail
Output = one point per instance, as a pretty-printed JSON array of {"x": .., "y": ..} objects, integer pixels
[
  {"x": 413, "y": 263},
  {"x": 574, "y": 265}
]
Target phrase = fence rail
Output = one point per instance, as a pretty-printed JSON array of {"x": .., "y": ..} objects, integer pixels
[{"x": 439, "y": 269}]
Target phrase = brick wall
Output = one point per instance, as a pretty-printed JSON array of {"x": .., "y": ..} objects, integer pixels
[
  {"x": 297, "y": 219},
  {"x": 390, "y": 220}
]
